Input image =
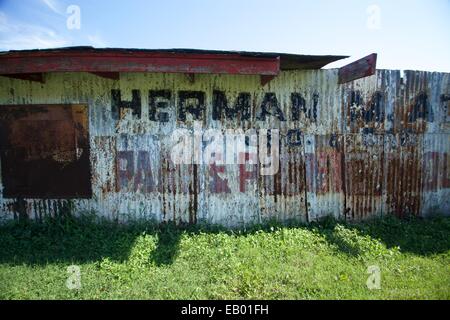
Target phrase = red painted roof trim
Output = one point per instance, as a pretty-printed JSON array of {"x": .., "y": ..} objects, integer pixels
[
  {"x": 361, "y": 68},
  {"x": 17, "y": 62}
]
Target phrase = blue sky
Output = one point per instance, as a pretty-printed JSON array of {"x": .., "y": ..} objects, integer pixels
[{"x": 406, "y": 34}]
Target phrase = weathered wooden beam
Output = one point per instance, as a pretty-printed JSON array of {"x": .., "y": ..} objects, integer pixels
[
  {"x": 108, "y": 75},
  {"x": 361, "y": 68},
  {"x": 113, "y": 61}
]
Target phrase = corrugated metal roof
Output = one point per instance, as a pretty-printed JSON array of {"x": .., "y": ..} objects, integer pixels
[{"x": 287, "y": 61}]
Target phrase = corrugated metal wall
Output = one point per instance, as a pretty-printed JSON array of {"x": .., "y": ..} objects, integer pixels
[{"x": 374, "y": 146}]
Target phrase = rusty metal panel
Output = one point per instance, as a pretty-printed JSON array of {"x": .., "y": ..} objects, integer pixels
[
  {"x": 42, "y": 148},
  {"x": 364, "y": 172},
  {"x": 445, "y": 109},
  {"x": 40, "y": 208},
  {"x": 232, "y": 176},
  {"x": 282, "y": 195},
  {"x": 403, "y": 175},
  {"x": 439, "y": 97},
  {"x": 324, "y": 175},
  {"x": 309, "y": 101},
  {"x": 338, "y": 154},
  {"x": 143, "y": 182},
  {"x": 413, "y": 110},
  {"x": 229, "y": 178},
  {"x": 436, "y": 174},
  {"x": 421, "y": 103},
  {"x": 103, "y": 166},
  {"x": 369, "y": 103}
]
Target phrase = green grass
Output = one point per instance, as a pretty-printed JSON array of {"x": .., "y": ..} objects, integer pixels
[{"x": 327, "y": 260}]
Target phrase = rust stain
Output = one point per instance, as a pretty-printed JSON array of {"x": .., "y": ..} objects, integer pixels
[
  {"x": 42, "y": 148},
  {"x": 364, "y": 172},
  {"x": 404, "y": 174},
  {"x": 373, "y": 146}
]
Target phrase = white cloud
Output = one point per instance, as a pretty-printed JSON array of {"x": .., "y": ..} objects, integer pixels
[
  {"x": 17, "y": 36},
  {"x": 54, "y": 5},
  {"x": 3, "y": 21},
  {"x": 97, "y": 41}
]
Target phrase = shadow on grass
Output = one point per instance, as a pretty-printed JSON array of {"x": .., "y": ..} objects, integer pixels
[
  {"x": 88, "y": 239},
  {"x": 167, "y": 245}
]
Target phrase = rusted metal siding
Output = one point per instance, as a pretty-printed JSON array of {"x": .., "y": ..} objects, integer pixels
[
  {"x": 436, "y": 173},
  {"x": 404, "y": 170},
  {"x": 364, "y": 172},
  {"x": 38, "y": 139},
  {"x": 367, "y": 106},
  {"x": 374, "y": 146},
  {"x": 325, "y": 175}
]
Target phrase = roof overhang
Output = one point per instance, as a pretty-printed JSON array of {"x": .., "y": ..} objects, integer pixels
[{"x": 29, "y": 64}]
